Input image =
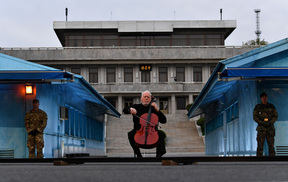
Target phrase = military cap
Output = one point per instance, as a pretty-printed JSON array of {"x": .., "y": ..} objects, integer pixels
[
  {"x": 263, "y": 94},
  {"x": 35, "y": 101}
]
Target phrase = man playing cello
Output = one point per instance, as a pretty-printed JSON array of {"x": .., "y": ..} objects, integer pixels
[{"x": 137, "y": 110}]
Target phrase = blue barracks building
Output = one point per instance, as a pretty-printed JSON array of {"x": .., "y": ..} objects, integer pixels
[
  {"x": 228, "y": 99},
  {"x": 76, "y": 111}
]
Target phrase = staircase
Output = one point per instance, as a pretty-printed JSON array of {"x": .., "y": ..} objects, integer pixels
[{"x": 182, "y": 137}]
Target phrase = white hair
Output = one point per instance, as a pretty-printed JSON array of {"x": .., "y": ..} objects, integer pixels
[{"x": 146, "y": 91}]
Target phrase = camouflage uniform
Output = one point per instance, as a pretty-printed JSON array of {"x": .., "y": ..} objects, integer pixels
[
  {"x": 265, "y": 129},
  {"x": 35, "y": 123}
]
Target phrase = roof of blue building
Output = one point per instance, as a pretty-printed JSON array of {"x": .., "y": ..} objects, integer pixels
[
  {"x": 15, "y": 70},
  {"x": 258, "y": 64}
]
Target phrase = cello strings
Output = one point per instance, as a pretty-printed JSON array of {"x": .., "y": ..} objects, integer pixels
[{"x": 146, "y": 121}]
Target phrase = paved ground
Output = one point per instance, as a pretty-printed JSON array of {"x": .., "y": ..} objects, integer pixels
[{"x": 138, "y": 172}]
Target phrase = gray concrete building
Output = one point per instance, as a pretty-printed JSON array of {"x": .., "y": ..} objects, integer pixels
[{"x": 120, "y": 59}]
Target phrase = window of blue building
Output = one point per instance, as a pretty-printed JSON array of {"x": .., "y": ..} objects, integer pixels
[
  {"x": 82, "y": 126},
  {"x": 67, "y": 126},
  {"x": 215, "y": 123},
  {"x": 71, "y": 120},
  {"x": 76, "y": 123},
  {"x": 232, "y": 112},
  {"x": 89, "y": 127}
]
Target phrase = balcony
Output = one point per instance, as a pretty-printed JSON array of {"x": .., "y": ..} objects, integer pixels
[
  {"x": 128, "y": 87},
  {"x": 127, "y": 55}
]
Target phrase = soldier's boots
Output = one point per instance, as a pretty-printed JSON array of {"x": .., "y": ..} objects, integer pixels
[{"x": 32, "y": 153}]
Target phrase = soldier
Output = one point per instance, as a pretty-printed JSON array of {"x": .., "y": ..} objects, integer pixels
[
  {"x": 265, "y": 115},
  {"x": 35, "y": 123}
]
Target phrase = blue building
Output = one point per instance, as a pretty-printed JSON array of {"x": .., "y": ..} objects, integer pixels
[
  {"x": 76, "y": 112},
  {"x": 231, "y": 93}
]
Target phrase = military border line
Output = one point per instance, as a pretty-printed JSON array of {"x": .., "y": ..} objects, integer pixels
[{"x": 163, "y": 160}]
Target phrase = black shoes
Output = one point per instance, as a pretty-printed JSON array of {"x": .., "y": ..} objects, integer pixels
[
  {"x": 138, "y": 155},
  {"x": 160, "y": 154}
]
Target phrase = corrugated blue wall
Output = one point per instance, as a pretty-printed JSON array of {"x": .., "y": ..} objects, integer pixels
[
  {"x": 236, "y": 133},
  {"x": 14, "y": 104},
  {"x": 227, "y": 135},
  {"x": 55, "y": 96},
  {"x": 12, "y": 124},
  {"x": 277, "y": 95}
]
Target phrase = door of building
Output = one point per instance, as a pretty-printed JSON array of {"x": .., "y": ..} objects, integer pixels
[
  {"x": 13, "y": 136},
  {"x": 164, "y": 105},
  {"x": 278, "y": 97}
]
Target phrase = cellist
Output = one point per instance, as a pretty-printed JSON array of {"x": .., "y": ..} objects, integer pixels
[{"x": 139, "y": 109}]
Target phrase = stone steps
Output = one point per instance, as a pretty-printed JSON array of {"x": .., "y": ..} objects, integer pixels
[{"x": 182, "y": 136}]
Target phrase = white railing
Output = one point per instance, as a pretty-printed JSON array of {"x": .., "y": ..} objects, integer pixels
[{"x": 121, "y": 47}]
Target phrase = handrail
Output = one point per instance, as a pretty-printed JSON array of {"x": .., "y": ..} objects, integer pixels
[{"x": 120, "y": 47}]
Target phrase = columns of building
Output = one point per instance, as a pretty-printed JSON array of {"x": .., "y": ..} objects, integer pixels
[
  {"x": 190, "y": 99},
  {"x": 119, "y": 104},
  {"x": 173, "y": 104}
]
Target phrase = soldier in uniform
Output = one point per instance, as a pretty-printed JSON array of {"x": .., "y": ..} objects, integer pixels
[
  {"x": 35, "y": 123},
  {"x": 265, "y": 115}
]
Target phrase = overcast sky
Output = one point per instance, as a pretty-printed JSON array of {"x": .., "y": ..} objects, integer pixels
[{"x": 29, "y": 23}]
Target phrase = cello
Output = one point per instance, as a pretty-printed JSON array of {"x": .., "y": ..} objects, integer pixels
[{"x": 147, "y": 136}]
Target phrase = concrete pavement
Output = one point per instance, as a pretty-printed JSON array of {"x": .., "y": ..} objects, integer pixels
[{"x": 203, "y": 171}]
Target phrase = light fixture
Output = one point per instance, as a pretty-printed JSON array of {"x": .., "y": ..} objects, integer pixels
[{"x": 29, "y": 89}]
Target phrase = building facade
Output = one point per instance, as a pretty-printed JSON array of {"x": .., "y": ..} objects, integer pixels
[
  {"x": 80, "y": 130},
  {"x": 120, "y": 59},
  {"x": 233, "y": 94}
]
